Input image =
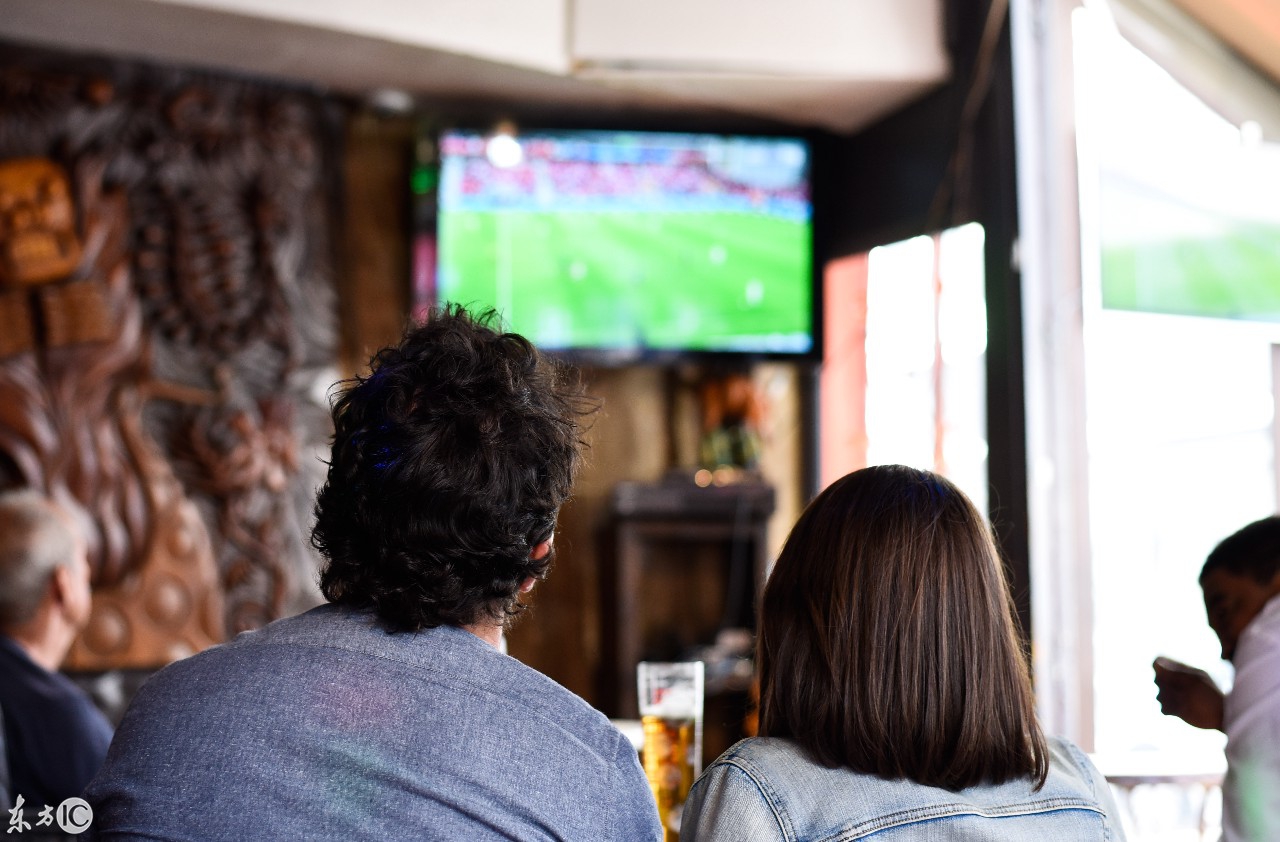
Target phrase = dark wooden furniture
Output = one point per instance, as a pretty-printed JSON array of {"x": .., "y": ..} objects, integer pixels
[{"x": 688, "y": 565}]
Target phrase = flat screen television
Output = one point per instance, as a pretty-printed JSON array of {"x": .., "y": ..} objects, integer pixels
[{"x": 623, "y": 246}]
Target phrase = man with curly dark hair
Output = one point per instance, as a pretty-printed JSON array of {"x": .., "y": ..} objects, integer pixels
[
  {"x": 391, "y": 712},
  {"x": 450, "y": 463}
]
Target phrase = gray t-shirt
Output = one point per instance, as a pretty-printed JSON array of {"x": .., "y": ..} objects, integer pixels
[{"x": 324, "y": 726}]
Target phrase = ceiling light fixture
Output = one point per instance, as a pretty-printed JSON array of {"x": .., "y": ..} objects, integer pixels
[{"x": 502, "y": 149}]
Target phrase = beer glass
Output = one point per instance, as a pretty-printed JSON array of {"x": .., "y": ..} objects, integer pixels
[{"x": 671, "y": 712}]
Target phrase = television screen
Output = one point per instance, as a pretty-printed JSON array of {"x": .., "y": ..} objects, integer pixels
[{"x": 635, "y": 243}]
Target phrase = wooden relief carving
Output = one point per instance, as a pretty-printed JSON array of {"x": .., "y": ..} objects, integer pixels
[
  {"x": 16, "y": 330},
  {"x": 160, "y": 328},
  {"x": 38, "y": 240},
  {"x": 71, "y": 409}
]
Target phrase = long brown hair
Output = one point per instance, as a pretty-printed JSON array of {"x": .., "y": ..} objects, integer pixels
[{"x": 887, "y": 642}]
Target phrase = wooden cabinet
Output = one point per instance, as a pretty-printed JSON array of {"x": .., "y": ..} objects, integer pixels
[{"x": 687, "y": 566}]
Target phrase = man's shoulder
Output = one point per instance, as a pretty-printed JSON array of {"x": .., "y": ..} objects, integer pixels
[
  {"x": 547, "y": 700},
  {"x": 446, "y": 653},
  {"x": 1259, "y": 648},
  {"x": 49, "y": 692},
  {"x": 1267, "y": 623},
  {"x": 334, "y": 641}
]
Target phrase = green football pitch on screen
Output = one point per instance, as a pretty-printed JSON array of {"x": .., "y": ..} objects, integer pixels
[
  {"x": 623, "y": 279},
  {"x": 1235, "y": 275}
]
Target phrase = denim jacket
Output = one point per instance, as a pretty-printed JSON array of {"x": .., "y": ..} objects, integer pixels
[{"x": 768, "y": 789}]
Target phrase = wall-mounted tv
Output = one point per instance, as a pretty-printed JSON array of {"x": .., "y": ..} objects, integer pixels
[{"x": 627, "y": 245}]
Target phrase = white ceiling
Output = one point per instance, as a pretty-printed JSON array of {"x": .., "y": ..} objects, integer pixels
[{"x": 833, "y": 64}]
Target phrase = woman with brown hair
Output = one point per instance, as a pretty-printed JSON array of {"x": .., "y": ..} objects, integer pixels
[{"x": 895, "y": 698}]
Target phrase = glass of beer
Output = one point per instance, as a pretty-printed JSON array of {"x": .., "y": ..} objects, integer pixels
[{"x": 671, "y": 712}]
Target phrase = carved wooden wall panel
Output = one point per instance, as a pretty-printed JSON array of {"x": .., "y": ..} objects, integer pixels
[{"x": 165, "y": 315}]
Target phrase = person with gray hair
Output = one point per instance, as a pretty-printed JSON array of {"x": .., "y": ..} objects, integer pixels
[{"x": 55, "y": 739}]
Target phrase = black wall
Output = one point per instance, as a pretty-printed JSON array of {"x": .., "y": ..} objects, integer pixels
[{"x": 927, "y": 168}]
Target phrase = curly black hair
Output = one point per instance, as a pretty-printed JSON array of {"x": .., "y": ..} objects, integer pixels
[{"x": 451, "y": 460}]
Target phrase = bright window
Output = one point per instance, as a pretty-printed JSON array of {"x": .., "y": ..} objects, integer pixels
[
  {"x": 905, "y": 373},
  {"x": 1182, "y": 275}
]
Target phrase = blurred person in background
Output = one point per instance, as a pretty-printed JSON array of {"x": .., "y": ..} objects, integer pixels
[
  {"x": 1241, "y": 582},
  {"x": 895, "y": 700},
  {"x": 55, "y": 739}
]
